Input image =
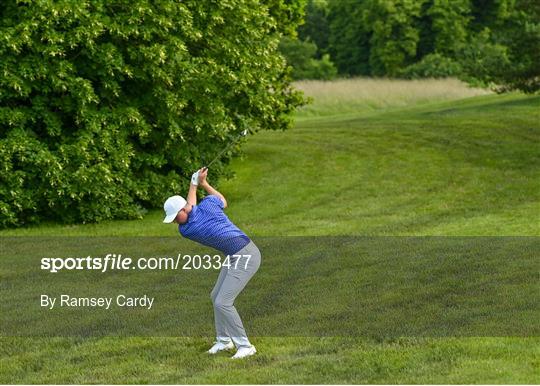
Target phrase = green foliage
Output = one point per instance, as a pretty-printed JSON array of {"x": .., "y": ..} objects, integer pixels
[
  {"x": 107, "y": 106},
  {"x": 300, "y": 55},
  {"x": 321, "y": 69},
  {"x": 480, "y": 57},
  {"x": 433, "y": 66},
  {"x": 494, "y": 43},
  {"x": 316, "y": 27},
  {"x": 394, "y": 37},
  {"x": 449, "y": 19},
  {"x": 374, "y": 37},
  {"x": 348, "y": 43},
  {"x": 512, "y": 60}
]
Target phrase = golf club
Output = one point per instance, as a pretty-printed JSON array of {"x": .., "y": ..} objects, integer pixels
[{"x": 242, "y": 134}]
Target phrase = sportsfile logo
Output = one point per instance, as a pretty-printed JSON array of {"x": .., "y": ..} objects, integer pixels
[{"x": 117, "y": 262}]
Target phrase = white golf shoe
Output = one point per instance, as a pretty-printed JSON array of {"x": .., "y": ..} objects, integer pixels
[
  {"x": 218, "y": 346},
  {"x": 244, "y": 352}
]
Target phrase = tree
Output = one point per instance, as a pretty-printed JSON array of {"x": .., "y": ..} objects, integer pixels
[
  {"x": 506, "y": 52},
  {"x": 107, "y": 106},
  {"x": 449, "y": 19},
  {"x": 315, "y": 27},
  {"x": 349, "y": 37},
  {"x": 394, "y": 34},
  {"x": 374, "y": 37},
  {"x": 301, "y": 55}
]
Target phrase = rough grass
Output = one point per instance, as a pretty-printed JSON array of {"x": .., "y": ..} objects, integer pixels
[
  {"x": 280, "y": 360},
  {"x": 416, "y": 162},
  {"x": 355, "y": 95}
]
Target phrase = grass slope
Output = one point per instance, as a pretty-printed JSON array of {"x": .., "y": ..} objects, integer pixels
[{"x": 465, "y": 167}]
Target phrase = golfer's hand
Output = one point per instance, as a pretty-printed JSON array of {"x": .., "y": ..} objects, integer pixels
[
  {"x": 195, "y": 178},
  {"x": 202, "y": 175}
]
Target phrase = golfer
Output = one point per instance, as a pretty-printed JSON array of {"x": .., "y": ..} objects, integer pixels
[{"x": 207, "y": 224}]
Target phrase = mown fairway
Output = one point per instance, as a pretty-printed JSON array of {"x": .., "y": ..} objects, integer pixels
[{"x": 452, "y": 164}]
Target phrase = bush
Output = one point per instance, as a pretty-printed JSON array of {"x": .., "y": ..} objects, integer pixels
[
  {"x": 322, "y": 69},
  {"x": 107, "y": 106},
  {"x": 507, "y": 55},
  {"x": 482, "y": 60},
  {"x": 433, "y": 66},
  {"x": 300, "y": 55}
]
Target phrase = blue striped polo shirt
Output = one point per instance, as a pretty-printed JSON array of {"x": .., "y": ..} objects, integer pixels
[{"x": 207, "y": 224}]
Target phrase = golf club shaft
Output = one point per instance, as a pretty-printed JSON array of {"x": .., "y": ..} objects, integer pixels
[
  {"x": 226, "y": 148},
  {"x": 220, "y": 154}
]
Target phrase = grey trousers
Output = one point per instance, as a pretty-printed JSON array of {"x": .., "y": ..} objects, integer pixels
[{"x": 230, "y": 283}]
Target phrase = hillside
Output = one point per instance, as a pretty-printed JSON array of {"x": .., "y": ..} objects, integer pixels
[{"x": 445, "y": 310}]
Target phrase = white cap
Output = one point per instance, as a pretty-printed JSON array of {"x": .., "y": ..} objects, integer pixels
[{"x": 172, "y": 206}]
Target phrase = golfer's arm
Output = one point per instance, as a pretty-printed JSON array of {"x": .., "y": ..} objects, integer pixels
[
  {"x": 210, "y": 190},
  {"x": 192, "y": 195}
]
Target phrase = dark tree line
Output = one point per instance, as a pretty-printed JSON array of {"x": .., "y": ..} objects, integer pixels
[{"x": 486, "y": 42}]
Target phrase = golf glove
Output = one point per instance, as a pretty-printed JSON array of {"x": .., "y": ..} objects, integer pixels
[{"x": 195, "y": 179}]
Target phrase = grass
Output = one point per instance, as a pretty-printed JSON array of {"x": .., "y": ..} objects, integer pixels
[
  {"x": 351, "y": 96},
  {"x": 418, "y": 158},
  {"x": 280, "y": 360}
]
